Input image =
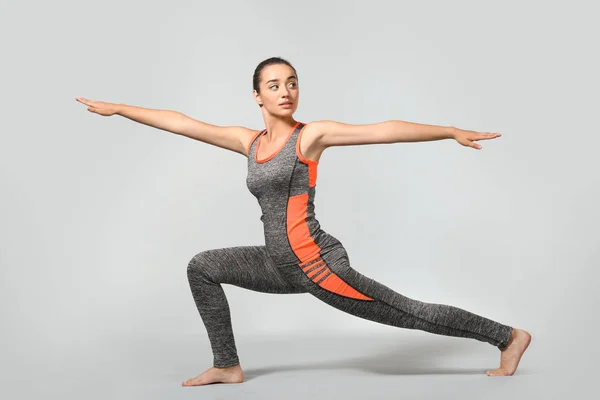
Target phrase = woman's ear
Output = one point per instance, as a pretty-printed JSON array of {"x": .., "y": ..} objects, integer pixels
[{"x": 257, "y": 98}]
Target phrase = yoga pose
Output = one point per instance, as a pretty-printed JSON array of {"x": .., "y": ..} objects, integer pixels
[{"x": 298, "y": 255}]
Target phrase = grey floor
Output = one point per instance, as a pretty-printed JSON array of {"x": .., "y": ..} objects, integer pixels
[{"x": 410, "y": 365}]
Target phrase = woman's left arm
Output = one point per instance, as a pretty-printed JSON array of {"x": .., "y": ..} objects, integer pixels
[{"x": 332, "y": 133}]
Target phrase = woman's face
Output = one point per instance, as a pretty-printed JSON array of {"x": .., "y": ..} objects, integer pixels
[{"x": 278, "y": 85}]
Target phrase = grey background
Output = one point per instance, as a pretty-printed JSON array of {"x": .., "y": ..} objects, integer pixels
[{"x": 100, "y": 216}]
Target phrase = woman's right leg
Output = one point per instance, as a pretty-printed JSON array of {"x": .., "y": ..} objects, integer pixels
[{"x": 249, "y": 267}]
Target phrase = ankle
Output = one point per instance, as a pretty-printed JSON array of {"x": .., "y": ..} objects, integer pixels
[
  {"x": 513, "y": 335},
  {"x": 231, "y": 367}
]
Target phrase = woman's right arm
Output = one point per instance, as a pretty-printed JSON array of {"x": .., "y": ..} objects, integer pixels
[{"x": 234, "y": 138}]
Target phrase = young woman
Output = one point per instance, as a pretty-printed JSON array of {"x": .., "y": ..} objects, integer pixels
[{"x": 299, "y": 256}]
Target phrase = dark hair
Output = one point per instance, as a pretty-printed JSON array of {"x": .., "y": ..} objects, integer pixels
[{"x": 262, "y": 65}]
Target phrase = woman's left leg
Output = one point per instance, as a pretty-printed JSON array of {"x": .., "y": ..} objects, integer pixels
[{"x": 333, "y": 281}]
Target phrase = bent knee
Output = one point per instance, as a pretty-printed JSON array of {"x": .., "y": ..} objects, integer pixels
[{"x": 199, "y": 262}]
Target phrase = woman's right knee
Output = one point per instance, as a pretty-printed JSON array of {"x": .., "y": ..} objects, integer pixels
[{"x": 198, "y": 263}]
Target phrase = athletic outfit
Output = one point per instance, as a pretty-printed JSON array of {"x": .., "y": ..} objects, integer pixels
[{"x": 300, "y": 257}]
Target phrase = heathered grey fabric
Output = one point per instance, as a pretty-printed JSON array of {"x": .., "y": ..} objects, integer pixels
[{"x": 276, "y": 268}]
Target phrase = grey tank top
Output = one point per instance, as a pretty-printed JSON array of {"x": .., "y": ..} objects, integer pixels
[{"x": 284, "y": 184}]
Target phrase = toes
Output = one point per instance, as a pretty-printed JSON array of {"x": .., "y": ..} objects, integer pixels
[{"x": 189, "y": 382}]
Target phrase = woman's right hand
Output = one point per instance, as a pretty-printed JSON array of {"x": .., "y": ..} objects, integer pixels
[{"x": 99, "y": 107}]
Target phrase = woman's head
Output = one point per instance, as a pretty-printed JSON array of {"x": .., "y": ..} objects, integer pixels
[{"x": 275, "y": 82}]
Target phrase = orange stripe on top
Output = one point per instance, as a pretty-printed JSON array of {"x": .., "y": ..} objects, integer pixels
[
  {"x": 298, "y": 233},
  {"x": 307, "y": 250},
  {"x": 252, "y": 141},
  {"x": 312, "y": 164},
  {"x": 276, "y": 151}
]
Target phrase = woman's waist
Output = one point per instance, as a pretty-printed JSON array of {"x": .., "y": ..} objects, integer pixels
[{"x": 299, "y": 248}]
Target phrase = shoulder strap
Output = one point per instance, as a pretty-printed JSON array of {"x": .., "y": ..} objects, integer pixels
[{"x": 252, "y": 141}]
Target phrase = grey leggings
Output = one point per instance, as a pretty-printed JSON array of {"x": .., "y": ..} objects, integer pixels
[{"x": 251, "y": 267}]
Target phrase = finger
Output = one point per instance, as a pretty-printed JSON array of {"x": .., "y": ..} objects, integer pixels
[
  {"x": 469, "y": 143},
  {"x": 489, "y": 133},
  {"x": 88, "y": 102},
  {"x": 487, "y": 136}
]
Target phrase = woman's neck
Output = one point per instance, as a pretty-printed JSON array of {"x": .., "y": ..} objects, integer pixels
[{"x": 278, "y": 127}]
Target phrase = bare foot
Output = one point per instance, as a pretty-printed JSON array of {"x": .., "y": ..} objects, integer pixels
[
  {"x": 511, "y": 355},
  {"x": 217, "y": 375}
]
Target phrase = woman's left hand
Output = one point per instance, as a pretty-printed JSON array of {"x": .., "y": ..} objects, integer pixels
[{"x": 466, "y": 138}]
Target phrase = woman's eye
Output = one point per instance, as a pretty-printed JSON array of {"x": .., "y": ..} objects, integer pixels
[{"x": 293, "y": 84}]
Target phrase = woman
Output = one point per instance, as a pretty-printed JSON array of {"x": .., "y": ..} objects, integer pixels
[{"x": 299, "y": 256}]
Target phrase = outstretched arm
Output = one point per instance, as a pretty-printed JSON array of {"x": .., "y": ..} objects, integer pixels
[
  {"x": 234, "y": 138},
  {"x": 332, "y": 133}
]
